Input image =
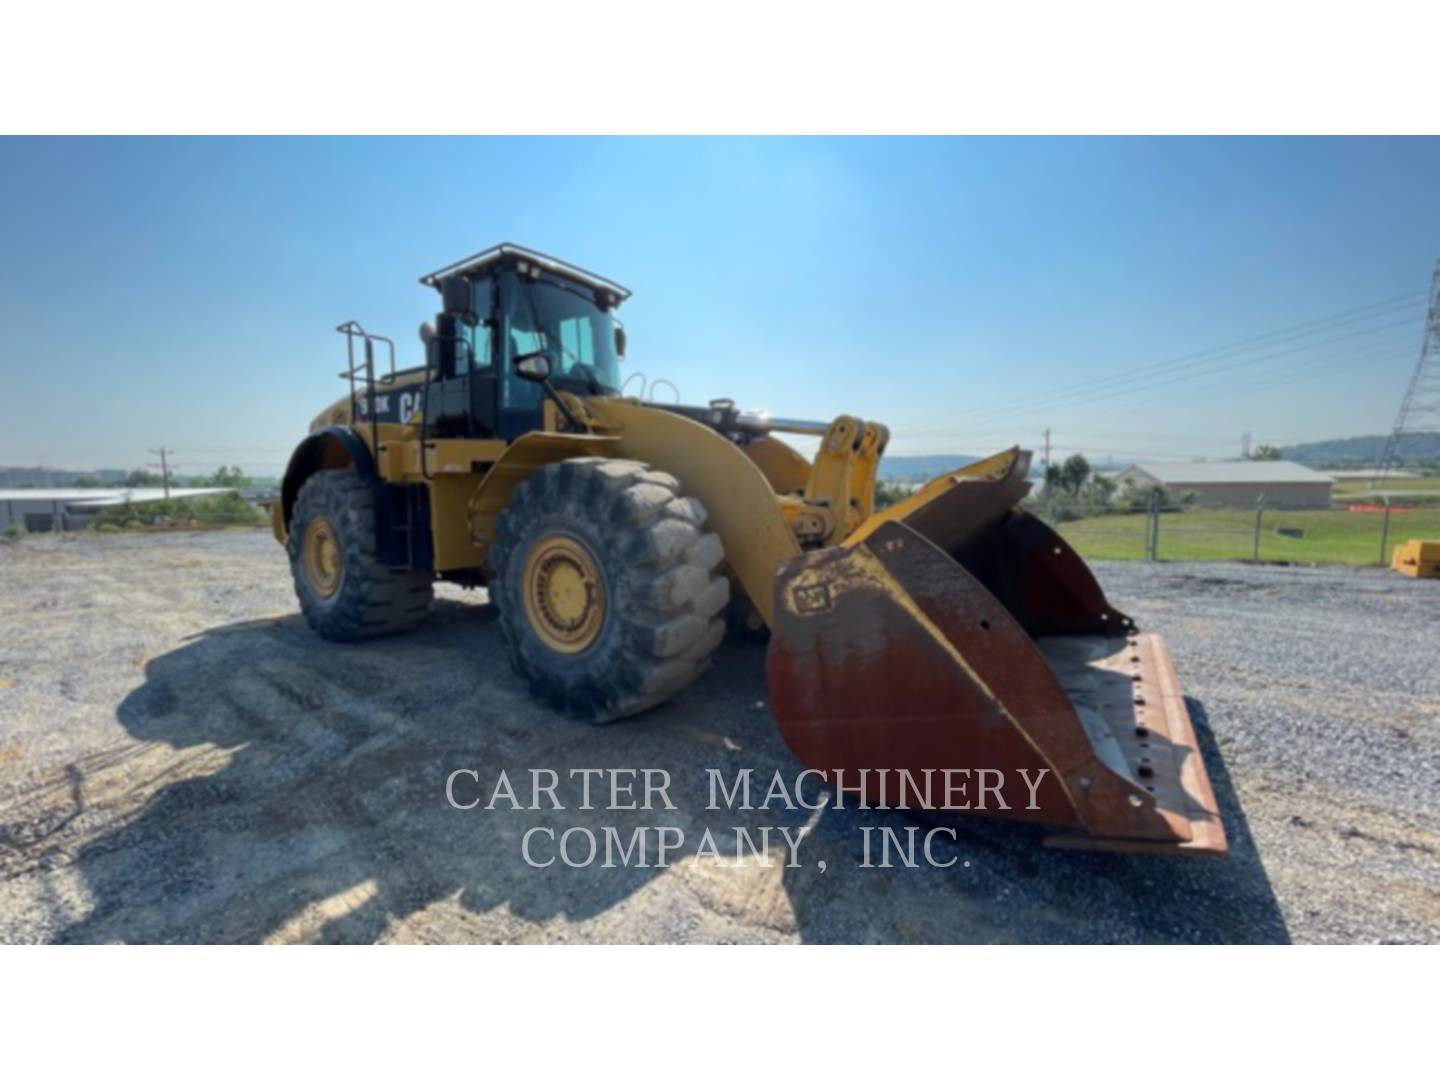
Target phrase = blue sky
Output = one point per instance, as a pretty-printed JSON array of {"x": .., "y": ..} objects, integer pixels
[{"x": 965, "y": 291}]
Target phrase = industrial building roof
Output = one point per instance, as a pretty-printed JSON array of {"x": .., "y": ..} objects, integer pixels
[
  {"x": 1373, "y": 474},
  {"x": 1230, "y": 472}
]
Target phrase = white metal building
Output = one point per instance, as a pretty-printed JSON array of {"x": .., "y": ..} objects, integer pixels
[
  {"x": 1284, "y": 484},
  {"x": 1373, "y": 474},
  {"x": 59, "y": 509}
]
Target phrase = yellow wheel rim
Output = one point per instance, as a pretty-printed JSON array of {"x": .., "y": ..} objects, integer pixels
[
  {"x": 564, "y": 594},
  {"x": 323, "y": 562}
]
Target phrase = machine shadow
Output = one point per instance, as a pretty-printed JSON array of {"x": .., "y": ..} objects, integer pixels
[
  {"x": 1005, "y": 887},
  {"x": 327, "y": 817},
  {"x": 307, "y": 802}
]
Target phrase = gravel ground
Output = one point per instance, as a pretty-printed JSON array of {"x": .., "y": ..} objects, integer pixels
[{"x": 181, "y": 760}]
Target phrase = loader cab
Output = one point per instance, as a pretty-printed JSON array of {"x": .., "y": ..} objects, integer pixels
[
  {"x": 460, "y": 361},
  {"x": 504, "y": 304}
]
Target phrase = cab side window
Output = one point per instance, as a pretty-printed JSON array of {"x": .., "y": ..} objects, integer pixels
[
  {"x": 480, "y": 355},
  {"x": 524, "y": 337},
  {"x": 576, "y": 343},
  {"x": 525, "y": 340}
]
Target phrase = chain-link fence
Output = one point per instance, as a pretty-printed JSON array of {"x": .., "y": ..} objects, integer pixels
[{"x": 1357, "y": 533}]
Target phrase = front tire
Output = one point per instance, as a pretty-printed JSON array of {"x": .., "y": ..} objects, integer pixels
[
  {"x": 607, "y": 585},
  {"x": 346, "y": 593}
]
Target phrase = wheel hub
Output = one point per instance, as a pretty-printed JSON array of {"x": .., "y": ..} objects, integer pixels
[
  {"x": 323, "y": 561},
  {"x": 564, "y": 594}
]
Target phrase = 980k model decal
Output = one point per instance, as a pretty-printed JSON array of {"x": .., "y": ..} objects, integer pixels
[{"x": 395, "y": 406}]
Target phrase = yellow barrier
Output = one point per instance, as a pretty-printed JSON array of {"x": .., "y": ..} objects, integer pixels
[{"x": 1417, "y": 558}]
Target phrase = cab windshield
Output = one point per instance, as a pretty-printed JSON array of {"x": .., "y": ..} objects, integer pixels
[{"x": 563, "y": 321}]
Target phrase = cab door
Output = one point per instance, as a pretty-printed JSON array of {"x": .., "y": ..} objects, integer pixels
[
  {"x": 462, "y": 384},
  {"x": 521, "y": 402}
]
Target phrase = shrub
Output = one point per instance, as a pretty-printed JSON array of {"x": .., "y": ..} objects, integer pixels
[
  {"x": 1138, "y": 499},
  {"x": 227, "y": 509},
  {"x": 1065, "y": 498},
  {"x": 888, "y": 494}
]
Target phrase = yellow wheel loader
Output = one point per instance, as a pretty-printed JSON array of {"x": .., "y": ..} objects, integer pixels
[{"x": 942, "y": 636}]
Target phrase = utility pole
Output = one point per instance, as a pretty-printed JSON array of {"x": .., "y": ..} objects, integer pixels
[
  {"x": 164, "y": 469},
  {"x": 1420, "y": 407},
  {"x": 1245, "y": 446}
]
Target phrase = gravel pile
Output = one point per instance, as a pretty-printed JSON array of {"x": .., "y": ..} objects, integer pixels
[{"x": 181, "y": 760}]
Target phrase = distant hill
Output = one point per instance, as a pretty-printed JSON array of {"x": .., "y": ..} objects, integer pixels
[
  {"x": 1362, "y": 450},
  {"x": 910, "y": 469},
  {"x": 38, "y": 477},
  {"x": 921, "y": 467}
]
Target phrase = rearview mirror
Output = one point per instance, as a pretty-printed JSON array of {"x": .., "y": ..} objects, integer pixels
[
  {"x": 533, "y": 367},
  {"x": 619, "y": 342}
]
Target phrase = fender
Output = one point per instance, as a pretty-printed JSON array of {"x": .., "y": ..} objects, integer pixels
[
  {"x": 402, "y": 511},
  {"x": 331, "y": 448},
  {"x": 735, "y": 490}
]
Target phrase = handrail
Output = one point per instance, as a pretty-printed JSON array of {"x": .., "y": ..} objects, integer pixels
[{"x": 352, "y": 329}]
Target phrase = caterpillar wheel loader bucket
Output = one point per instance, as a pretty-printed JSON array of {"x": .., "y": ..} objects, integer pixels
[{"x": 954, "y": 632}]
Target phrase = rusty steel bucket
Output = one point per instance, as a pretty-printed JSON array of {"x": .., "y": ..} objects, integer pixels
[{"x": 954, "y": 634}]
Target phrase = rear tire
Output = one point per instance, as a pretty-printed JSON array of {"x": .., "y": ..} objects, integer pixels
[
  {"x": 608, "y": 587},
  {"x": 345, "y": 592}
]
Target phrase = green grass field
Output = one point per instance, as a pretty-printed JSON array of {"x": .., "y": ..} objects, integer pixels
[{"x": 1330, "y": 536}]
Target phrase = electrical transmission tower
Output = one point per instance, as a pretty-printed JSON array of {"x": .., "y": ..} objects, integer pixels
[{"x": 1420, "y": 407}]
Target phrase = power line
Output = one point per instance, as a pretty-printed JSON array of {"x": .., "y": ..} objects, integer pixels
[
  {"x": 1244, "y": 345},
  {"x": 1250, "y": 384},
  {"x": 1288, "y": 375},
  {"x": 1090, "y": 432},
  {"x": 1272, "y": 380},
  {"x": 1090, "y": 394}
]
